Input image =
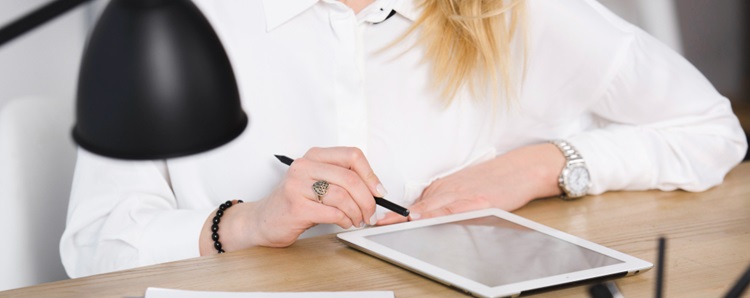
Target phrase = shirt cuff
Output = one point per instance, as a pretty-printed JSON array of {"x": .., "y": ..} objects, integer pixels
[{"x": 615, "y": 158}]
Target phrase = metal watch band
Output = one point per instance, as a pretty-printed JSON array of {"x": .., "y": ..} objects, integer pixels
[{"x": 570, "y": 152}]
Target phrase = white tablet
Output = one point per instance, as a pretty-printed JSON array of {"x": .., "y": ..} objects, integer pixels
[{"x": 493, "y": 253}]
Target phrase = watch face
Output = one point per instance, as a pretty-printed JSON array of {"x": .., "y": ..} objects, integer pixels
[{"x": 577, "y": 181}]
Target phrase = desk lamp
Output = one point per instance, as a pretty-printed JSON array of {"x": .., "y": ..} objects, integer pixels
[{"x": 154, "y": 82}]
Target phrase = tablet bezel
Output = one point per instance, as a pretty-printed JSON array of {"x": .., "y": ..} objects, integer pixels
[{"x": 357, "y": 239}]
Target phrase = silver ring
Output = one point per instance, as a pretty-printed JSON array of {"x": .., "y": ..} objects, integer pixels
[{"x": 320, "y": 188}]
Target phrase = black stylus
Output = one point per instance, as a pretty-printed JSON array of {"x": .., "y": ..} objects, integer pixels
[
  {"x": 740, "y": 286},
  {"x": 660, "y": 267},
  {"x": 380, "y": 201}
]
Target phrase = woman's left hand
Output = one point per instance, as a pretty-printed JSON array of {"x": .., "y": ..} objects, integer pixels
[{"x": 507, "y": 182}]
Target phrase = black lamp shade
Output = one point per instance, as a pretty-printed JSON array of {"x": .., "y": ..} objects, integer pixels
[{"x": 155, "y": 82}]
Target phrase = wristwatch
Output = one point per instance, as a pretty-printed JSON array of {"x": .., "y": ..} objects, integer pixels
[{"x": 574, "y": 180}]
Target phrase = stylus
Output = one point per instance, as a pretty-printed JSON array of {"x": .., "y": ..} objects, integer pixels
[
  {"x": 740, "y": 286},
  {"x": 380, "y": 201},
  {"x": 660, "y": 267}
]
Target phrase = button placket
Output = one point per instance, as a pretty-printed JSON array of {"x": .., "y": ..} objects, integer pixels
[{"x": 349, "y": 98}]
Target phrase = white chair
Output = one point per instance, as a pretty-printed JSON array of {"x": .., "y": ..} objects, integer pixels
[
  {"x": 37, "y": 157},
  {"x": 38, "y": 74}
]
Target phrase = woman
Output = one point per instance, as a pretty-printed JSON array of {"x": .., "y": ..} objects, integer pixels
[{"x": 449, "y": 105}]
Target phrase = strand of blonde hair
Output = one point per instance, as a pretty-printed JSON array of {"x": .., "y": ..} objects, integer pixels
[{"x": 468, "y": 43}]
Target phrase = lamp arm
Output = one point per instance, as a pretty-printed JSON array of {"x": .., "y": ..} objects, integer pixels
[{"x": 36, "y": 18}]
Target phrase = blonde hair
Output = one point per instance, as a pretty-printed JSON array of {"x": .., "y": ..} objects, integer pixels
[{"x": 469, "y": 42}]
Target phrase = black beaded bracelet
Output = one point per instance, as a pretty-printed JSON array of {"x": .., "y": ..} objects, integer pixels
[{"x": 215, "y": 226}]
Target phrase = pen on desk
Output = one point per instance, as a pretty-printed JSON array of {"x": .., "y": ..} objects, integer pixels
[
  {"x": 660, "y": 267},
  {"x": 380, "y": 201},
  {"x": 740, "y": 286}
]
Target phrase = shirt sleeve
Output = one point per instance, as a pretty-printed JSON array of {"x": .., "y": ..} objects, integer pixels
[
  {"x": 658, "y": 123},
  {"x": 120, "y": 214},
  {"x": 665, "y": 126}
]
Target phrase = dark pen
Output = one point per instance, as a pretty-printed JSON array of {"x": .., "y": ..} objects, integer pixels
[{"x": 380, "y": 201}]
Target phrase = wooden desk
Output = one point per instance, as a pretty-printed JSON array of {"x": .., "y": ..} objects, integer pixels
[{"x": 708, "y": 248}]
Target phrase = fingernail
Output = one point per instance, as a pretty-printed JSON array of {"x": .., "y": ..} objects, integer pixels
[
  {"x": 415, "y": 215},
  {"x": 381, "y": 190},
  {"x": 380, "y": 216},
  {"x": 361, "y": 224}
]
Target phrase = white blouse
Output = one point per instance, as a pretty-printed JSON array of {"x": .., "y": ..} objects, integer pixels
[{"x": 313, "y": 74}]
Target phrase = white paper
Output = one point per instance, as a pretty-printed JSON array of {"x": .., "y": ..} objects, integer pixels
[{"x": 170, "y": 293}]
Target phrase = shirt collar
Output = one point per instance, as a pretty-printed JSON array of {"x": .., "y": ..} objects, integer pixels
[
  {"x": 408, "y": 9},
  {"x": 405, "y": 8},
  {"x": 278, "y": 12}
]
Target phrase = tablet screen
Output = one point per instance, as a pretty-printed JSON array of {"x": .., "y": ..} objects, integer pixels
[{"x": 492, "y": 251}]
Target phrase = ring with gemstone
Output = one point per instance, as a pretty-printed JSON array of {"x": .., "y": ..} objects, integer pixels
[{"x": 320, "y": 188}]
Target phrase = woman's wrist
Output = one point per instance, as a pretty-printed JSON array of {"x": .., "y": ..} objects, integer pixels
[
  {"x": 228, "y": 229},
  {"x": 551, "y": 163},
  {"x": 540, "y": 165}
]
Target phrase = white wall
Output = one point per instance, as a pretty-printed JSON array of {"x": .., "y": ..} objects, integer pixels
[
  {"x": 45, "y": 61},
  {"x": 38, "y": 74}
]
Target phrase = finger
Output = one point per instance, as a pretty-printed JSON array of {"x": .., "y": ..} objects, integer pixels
[
  {"x": 300, "y": 193},
  {"x": 392, "y": 218},
  {"x": 415, "y": 211},
  {"x": 350, "y": 158},
  {"x": 345, "y": 178},
  {"x": 339, "y": 198},
  {"x": 426, "y": 203},
  {"x": 321, "y": 214},
  {"x": 455, "y": 207}
]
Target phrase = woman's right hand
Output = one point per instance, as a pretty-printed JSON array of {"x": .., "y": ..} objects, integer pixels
[{"x": 293, "y": 207}]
